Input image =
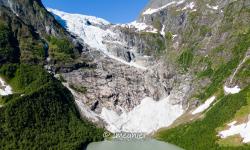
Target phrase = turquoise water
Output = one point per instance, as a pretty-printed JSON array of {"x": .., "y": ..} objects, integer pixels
[{"x": 132, "y": 145}]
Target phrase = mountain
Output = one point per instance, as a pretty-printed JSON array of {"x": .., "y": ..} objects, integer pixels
[
  {"x": 190, "y": 57},
  {"x": 32, "y": 31},
  {"x": 125, "y": 81},
  {"x": 210, "y": 41},
  {"x": 180, "y": 72},
  {"x": 36, "y": 110}
]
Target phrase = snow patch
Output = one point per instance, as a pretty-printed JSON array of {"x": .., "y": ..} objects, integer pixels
[
  {"x": 204, "y": 106},
  {"x": 213, "y": 7},
  {"x": 4, "y": 88},
  {"x": 12, "y": 8},
  {"x": 85, "y": 111},
  {"x": 140, "y": 27},
  {"x": 174, "y": 36},
  {"x": 180, "y": 2},
  {"x": 232, "y": 90},
  {"x": 152, "y": 11},
  {"x": 163, "y": 31},
  {"x": 189, "y": 6},
  {"x": 147, "y": 117},
  {"x": 232, "y": 123},
  {"x": 132, "y": 63},
  {"x": 242, "y": 129}
]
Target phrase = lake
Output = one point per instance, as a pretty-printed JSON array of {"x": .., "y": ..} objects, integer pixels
[{"x": 132, "y": 145}]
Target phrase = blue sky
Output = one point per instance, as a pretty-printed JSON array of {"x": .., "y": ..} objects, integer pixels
[{"x": 115, "y": 11}]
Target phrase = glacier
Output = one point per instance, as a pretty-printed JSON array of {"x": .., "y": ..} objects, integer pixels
[{"x": 149, "y": 115}]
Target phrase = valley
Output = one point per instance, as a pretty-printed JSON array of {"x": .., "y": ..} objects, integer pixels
[{"x": 179, "y": 74}]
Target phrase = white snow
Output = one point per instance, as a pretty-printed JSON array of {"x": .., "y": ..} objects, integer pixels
[
  {"x": 180, "y": 2},
  {"x": 85, "y": 111},
  {"x": 4, "y": 88},
  {"x": 163, "y": 31},
  {"x": 132, "y": 64},
  {"x": 174, "y": 36},
  {"x": 12, "y": 7},
  {"x": 147, "y": 117},
  {"x": 189, "y": 6},
  {"x": 232, "y": 123},
  {"x": 232, "y": 90},
  {"x": 140, "y": 27},
  {"x": 83, "y": 18},
  {"x": 204, "y": 106},
  {"x": 242, "y": 129},
  {"x": 152, "y": 11},
  {"x": 213, "y": 7},
  {"x": 79, "y": 24}
]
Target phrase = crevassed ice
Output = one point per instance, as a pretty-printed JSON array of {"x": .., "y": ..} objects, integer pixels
[{"x": 89, "y": 29}]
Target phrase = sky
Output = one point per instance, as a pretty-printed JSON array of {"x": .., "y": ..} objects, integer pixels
[{"x": 115, "y": 11}]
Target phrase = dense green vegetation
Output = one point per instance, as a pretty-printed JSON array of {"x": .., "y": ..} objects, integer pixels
[
  {"x": 225, "y": 70},
  {"x": 8, "y": 51},
  {"x": 60, "y": 49},
  {"x": 202, "y": 134},
  {"x": 41, "y": 114}
]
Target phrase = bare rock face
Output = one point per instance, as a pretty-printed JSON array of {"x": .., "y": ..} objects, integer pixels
[{"x": 117, "y": 86}]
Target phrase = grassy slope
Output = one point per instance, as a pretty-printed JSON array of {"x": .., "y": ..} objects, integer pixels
[
  {"x": 45, "y": 117},
  {"x": 202, "y": 134}
]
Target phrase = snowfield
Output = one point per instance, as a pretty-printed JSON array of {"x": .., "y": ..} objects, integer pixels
[
  {"x": 189, "y": 6},
  {"x": 147, "y": 117},
  {"x": 233, "y": 90},
  {"x": 4, "y": 88},
  {"x": 140, "y": 27},
  {"x": 204, "y": 106},
  {"x": 242, "y": 129},
  {"x": 213, "y": 7},
  {"x": 152, "y": 11}
]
